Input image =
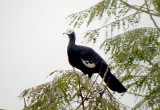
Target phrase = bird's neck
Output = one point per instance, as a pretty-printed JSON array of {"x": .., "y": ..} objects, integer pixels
[
  {"x": 71, "y": 45},
  {"x": 72, "y": 40}
]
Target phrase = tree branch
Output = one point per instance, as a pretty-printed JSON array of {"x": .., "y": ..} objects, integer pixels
[
  {"x": 145, "y": 11},
  {"x": 87, "y": 94}
]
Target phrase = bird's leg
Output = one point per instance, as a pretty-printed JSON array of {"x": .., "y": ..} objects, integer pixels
[
  {"x": 73, "y": 69},
  {"x": 75, "y": 72}
]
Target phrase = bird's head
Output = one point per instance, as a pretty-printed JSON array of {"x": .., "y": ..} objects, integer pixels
[{"x": 69, "y": 32}]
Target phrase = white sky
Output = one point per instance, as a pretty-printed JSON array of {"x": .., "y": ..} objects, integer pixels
[{"x": 32, "y": 44}]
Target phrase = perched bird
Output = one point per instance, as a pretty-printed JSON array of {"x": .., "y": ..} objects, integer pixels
[{"x": 89, "y": 62}]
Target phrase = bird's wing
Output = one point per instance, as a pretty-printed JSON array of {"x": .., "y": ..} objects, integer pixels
[
  {"x": 89, "y": 57},
  {"x": 89, "y": 61}
]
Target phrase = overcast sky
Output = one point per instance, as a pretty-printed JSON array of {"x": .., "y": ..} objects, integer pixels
[{"x": 32, "y": 44}]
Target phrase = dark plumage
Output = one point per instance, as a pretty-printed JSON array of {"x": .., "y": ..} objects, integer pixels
[{"x": 89, "y": 62}]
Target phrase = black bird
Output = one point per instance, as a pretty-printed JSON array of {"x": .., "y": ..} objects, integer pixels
[{"x": 89, "y": 62}]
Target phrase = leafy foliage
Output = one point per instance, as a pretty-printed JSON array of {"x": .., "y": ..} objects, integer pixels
[
  {"x": 156, "y": 4},
  {"x": 107, "y": 8},
  {"x": 66, "y": 92},
  {"x": 136, "y": 54}
]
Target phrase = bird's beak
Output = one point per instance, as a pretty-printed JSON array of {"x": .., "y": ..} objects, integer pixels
[{"x": 64, "y": 33}]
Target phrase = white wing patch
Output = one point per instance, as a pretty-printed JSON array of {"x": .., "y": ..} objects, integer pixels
[{"x": 88, "y": 64}]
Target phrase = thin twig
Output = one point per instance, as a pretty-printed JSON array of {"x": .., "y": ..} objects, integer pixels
[
  {"x": 79, "y": 84},
  {"x": 137, "y": 94},
  {"x": 105, "y": 76},
  {"x": 105, "y": 73},
  {"x": 25, "y": 105}
]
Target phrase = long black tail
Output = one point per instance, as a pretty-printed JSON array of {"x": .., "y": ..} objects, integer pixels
[{"x": 113, "y": 83}]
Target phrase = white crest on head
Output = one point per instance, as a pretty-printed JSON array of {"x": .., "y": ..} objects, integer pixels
[
  {"x": 88, "y": 64},
  {"x": 69, "y": 31}
]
